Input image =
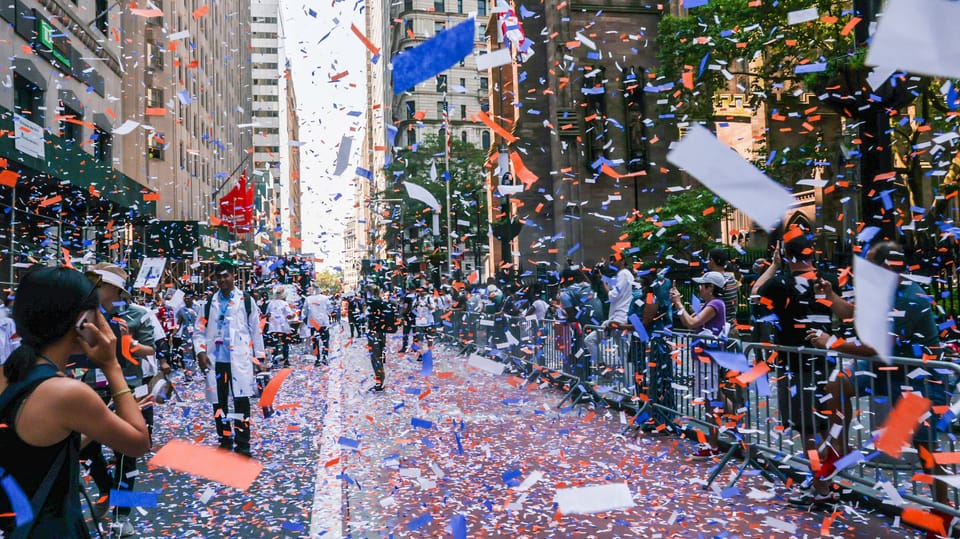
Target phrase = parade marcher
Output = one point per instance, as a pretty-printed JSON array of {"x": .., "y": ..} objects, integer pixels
[
  {"x": 355, "y": 316},
  {"x": 381, "y": 319},
  {"x": 279, "y": 314},
  {"x": 620, "y": 294},
  {"x": 132, "y": 323},
  {"x": 48, "y": 411},
  {"x": 228, "y": 337},
  {"x": 186, "y": 323},
  {"x": 316, "y": 315}
]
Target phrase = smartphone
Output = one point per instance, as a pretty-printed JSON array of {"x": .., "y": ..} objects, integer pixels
[{"x": 84, "y": 325}]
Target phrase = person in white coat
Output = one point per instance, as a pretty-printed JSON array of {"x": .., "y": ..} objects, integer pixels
[
  {"x": 279, "y": 315},
  {"x": 316, "y": 315},
  {"x": 231, "y": 339}
]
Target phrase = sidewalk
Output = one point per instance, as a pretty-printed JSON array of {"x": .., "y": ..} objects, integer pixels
[{"x": 452, "y": 446}]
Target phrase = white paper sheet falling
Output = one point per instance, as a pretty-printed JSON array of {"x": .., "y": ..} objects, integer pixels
[
  {"x": 484, "y": 364},
  {"x": 126, "y": 127},
  {"x": 717, "y": 166},
  {"x": 594, "y": 499},
  {"x": 496, "y": 58},
  {"x": 919, "y": 36},
  {"x": 874, "y": 291}
]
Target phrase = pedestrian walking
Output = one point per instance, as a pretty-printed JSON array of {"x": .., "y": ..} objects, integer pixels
[
  {"x": 230, "y": 332},
  {"x": 316, "y": 315}
]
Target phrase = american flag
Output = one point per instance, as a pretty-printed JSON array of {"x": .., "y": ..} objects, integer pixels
[{"x": 446, "y": 124}]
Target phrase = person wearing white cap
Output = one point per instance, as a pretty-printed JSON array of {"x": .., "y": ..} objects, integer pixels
[{"x": 126, "y": 319}]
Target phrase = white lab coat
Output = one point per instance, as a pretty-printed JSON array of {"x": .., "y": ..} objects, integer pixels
[
  {"x": 149, "y": 363},
  {"x": 278, "y": 310},
  {"x": 246, "y": 342},
  {"x": 316, "y": 311}
]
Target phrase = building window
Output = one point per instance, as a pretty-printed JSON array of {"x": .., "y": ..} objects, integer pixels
[
  {"x": 438, "y": 5},
  {"x": 102, "y": 145},
  {"x": 459, "y": 6},
  {"x": 154, "y": 56},
  {"x": 408, "y": 5},
  {"x": 441, "y": 84},
  {"x": 102, "y": 13},
  {"x": 154, "y": 98},
  {"x": 463, "y": 112},
  {"x": 437, "y": 27},
  {"x": 482, "y": 7},
  {"x": 463, "y": 82},
  {"x": 27, "y": 99},
  {"x": 482, "y": 32},
  {"x": 463, "y": 137},
  {"x": 484, "y": 84},
  {"x": 485, "y": 139},
  {"x": 155, "y": 145},
  {"x": 441, "y": 108},
  {"x": 70, "y": 131},
  {"x": 411, "y": 109},
  {"x": 411, "y": 137}
]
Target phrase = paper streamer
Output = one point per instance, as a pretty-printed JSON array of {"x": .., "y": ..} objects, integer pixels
[
  {"x": 920, "y": 40},
  {"x": 208, "y": 462},
  {"x": 900, "y": 425},
  {"x": 418, "y": 192},
  {"x": 874, "y": 292},
  {"x": 433, "y": 56},
  {"x": 270, "y": 392},
  {"x": 732, "y": 178},
  {"x": 343, "y": 155}
]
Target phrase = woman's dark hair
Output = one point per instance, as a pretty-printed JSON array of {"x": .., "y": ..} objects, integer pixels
[{"x": 49, "y": 300}]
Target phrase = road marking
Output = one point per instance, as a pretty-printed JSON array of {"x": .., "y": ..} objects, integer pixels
[{"x": 326, "y": 515}]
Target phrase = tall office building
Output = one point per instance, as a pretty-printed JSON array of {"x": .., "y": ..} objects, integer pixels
[
  {"x": 187, "y": 87},
  {"x": 412, "y": 23},
  {"x": 266, "y": 32},
  {"x": 61, "y": 186},
  {"x": 293, "y": 218}
]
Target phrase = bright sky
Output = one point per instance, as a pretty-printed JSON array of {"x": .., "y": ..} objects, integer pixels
[{"x": 320, "y": 48}]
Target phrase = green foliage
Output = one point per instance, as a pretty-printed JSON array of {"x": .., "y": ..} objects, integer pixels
[
  {"x": 679, "y": 227},
  {"x": 754, "y": 41},
  {"x": 330, "y": 281},
  {"x": 467, "y": 195}
]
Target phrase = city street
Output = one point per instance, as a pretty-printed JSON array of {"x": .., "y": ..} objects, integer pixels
[{"x": 459, "y": 452}]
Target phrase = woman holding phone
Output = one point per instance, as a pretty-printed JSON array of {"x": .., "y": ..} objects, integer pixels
[{"x": 45, "y": 416}]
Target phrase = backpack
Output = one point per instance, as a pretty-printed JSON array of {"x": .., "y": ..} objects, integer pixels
[
  {"x": 247, "y": 306},
  {"x": 67, "y": 457},
  {"x": 580, "y": 296}
]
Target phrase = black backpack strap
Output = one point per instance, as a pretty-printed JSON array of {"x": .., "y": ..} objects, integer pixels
[{"x": 247, "y": 303}]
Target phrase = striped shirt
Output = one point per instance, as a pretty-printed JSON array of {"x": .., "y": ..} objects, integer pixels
[{"x": 731, "y": 291}]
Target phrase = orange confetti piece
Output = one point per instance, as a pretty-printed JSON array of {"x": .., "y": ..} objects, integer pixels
[
  {"x": 923, "y": 520},
  {"x": 125, "y": 348},
  {"x": 211, "y": 463},
  {"x": 497, "y": 128},
  {"x": 363, "y": 39},
  {"x": 49, "y": 201},
  {"x": 339, "y": 76},
  {"x": 147, "y": 197},
  {"x": 201, "y": 11},
  {"x": 270, "y": 392},
  {"x": 900, "y": 425},
  {"x": 9, "y": 178}
]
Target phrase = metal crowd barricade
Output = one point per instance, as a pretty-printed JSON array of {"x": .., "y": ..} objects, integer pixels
[
  {"x": 612, "y": 373},
  {"x": 845, "y": 399}
]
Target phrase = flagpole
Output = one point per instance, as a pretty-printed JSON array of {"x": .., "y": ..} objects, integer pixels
[{"x": 446, "y": 153}]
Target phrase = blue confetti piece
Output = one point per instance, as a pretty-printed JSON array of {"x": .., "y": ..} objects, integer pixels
[
  {"x": 364, "y": 173},
  {"x": 458, "y": 524},
  {"x": 433, "y": 56},
  {"x": 347, "y": 442},
  {"x": 425, "y": 519},
  {"x": 456, "y": 435},
  {"x": 510, "y": 478},
  {"x": 729, "y": 492},
  {"x": 524, "y": 12},
  {"x": 415, "y": 391},
  {"x": 421, "y": 423},
  {"x": 129, "y": 498},
  {"x": 427, "y": 367},
  {"x": 690, "y": 4},
  {"x": 638, "y": 328},
  {"x": 294, "y": 527},
  {"x": 18, "y": 499}
]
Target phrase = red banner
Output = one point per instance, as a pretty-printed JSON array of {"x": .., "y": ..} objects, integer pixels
[{"x": 236, "y": 207}]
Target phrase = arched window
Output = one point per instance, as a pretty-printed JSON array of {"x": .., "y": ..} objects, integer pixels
[{"x": 485, "y": 139}]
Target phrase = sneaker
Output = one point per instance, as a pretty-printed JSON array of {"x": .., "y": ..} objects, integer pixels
[
  {"x": 100, "y": 508},
  {"x": 125, "y": 528},
  {"x": 811, "y": 498},
  {"x": 705, "y": 452},
  {"x": 376, "y": 389},
  {"x": 245, "y": 451}
]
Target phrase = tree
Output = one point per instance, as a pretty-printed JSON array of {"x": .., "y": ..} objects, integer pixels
[
  {"x": 685, "y": 225},
  {"x": 752, "y": 48},
  {"x": 412, "y": 227},
  {"x": 331, "y": 281}
]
